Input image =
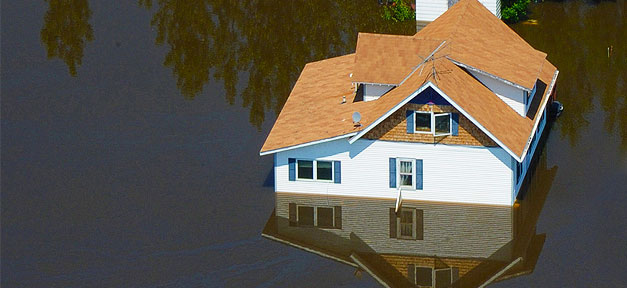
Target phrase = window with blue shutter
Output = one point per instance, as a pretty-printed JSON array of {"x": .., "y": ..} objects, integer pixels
[
  {"x": 409, "y": 115},
  {"x": 292, "y": 167},
  {"x": 392, "y": 172},
  {"x": 419, "y": 174},
  {"x": 337, "y": 172},
  {"x": 455, "y": 124}
]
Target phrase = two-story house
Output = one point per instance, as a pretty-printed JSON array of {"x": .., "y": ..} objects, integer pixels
[{"x": 451, "y": 114}]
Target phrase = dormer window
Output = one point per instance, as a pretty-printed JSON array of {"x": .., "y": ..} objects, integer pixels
[{"x": 438, "y": 124}]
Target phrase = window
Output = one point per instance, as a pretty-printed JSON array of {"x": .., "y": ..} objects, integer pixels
[
  {"x": 424, "y": 277},
  {"x": 324, "y": 217},
  {"x": 324, "y": 170},
  {"x": 428, "y": 277},
  {"x": 314, "y": 169},
  {"x": 406, "y": 173},
  {"x": 406, "y": 225},
  {"x": 305, "y": 169},
  {"x": 442, "y": 124},
  {"x": 318, "y": 216},
  {"x": 423, "y": 122},
  {"x": 438, "y": 124},
  {"x": 305, "y": 216}
]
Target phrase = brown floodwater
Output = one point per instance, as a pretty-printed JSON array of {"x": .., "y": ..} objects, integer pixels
[{"x": 131, "y": 131}]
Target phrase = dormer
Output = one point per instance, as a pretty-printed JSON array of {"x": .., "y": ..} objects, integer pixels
[
  {"x": 515, "y": 96},
  {"x": 369, "y": 91}
]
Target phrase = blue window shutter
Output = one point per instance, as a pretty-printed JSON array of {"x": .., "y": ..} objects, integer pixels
[
  {"x": 337, "y": 171},
  {"x": 292, "y": 163},
  {"x": 455, "y": 128},
  {"x": 392, "y": 172},
  {"x": 419, "y": 174},
  {"x": 409, "y": 115}
]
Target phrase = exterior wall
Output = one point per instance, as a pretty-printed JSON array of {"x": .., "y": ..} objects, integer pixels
[
  {"x": 394, "y": 128},
  {"x": 373, "y": 92},
  {"x": 511, "y": 95},
  {"x": 450, "y": 230},
  {"x": 452, "y": 173},
  {"x": 428, "y": 10},
  {"x": 401, "y": 262},
  {"x": 531, "y": 152}
]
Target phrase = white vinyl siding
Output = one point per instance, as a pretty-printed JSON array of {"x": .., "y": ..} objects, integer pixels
[
  {"x": 429, "y": 10},
  {"x": 511, "y": 95},
  {"x": 374, "y": 91},
  {"x": 451, "y": 173}
]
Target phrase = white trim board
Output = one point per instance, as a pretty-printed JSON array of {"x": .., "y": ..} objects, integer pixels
[
  {"x": 306, "y": 144},
  {"x": 411, "y": 96}
]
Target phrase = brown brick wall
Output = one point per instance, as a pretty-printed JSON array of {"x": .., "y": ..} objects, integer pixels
[{"x": 395, "y": 129}]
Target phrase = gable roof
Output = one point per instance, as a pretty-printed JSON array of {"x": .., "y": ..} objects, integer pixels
[
  {"x": 387, "y": 59},
  {"x": 480, "y": 41},
  {"x": 322, "y": 85}
]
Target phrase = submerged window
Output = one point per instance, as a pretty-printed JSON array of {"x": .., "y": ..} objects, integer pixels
[
  {"x": 315, "y": 216},
  {"x": 407, "y": 223},
  {"x": 423, "y": 122}
]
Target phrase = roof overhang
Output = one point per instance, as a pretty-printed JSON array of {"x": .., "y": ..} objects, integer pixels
[
  {"x": 447, "y": 98},
  {"x": 262, "y": 153},
  {"x": 473, "y": 69},
  {"x": 537, "y": 121}
]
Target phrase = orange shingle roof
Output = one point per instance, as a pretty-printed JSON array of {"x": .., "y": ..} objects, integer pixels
[
  {"x": 391, "y": 59},
  {"x": 480, "y": 40},
  {"x": 387, "y": 59}
]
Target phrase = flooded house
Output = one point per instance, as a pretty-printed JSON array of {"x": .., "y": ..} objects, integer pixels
[
  {"x": 451, "y": 114},
  {"x": 423, "y": 244}
]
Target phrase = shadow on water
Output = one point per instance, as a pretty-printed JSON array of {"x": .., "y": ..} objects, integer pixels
[
  {"x": 65, "y": 31},
  {"x": 263, "y": 44},
  {"x": 576, "y": 36}
]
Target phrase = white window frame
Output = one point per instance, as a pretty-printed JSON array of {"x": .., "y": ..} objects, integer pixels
[
  {"x": 430, "y": 115},
  {"x": 433, "y": 116},
  {"x": 433, "y": 273},
  {"x": 315, "y": 171},
  {"x": 413, "y": 173},
  {"x": 450, "y": 123},
  {"x": 413, "y": 224},
  {"x": 315, "y": 216}
]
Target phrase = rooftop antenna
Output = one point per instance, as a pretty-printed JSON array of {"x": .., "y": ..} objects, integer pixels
[{"x": 356, "y": 119}]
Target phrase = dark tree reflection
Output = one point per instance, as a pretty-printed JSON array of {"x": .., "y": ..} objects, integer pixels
[
  {"x": 576, "y": 36},
  {"x": 65, "y": 31},
  {"x": 261, "y": 45}
]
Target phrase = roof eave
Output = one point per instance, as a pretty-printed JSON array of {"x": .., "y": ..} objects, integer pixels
[
  {"x": 489, "y": 75},
  {"x": 277, "y": 150}
]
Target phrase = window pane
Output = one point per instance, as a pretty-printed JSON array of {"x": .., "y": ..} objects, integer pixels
[
  {"x": 305, "y": 169},
  {"x": 423, "y": 122},
  {"x": 406, "y": 167},
  {"x": 325, "y": 217},
  {"x": 407, "y": 221},
  {"x": 443, "y": 124},
  {"x": 406, "y": 180},
  {"x": 305, "y": 216},
  {"x": 443, "y": 278},
  {"x": 424, "y": 276},
  {"x": 324, "y": 170}
]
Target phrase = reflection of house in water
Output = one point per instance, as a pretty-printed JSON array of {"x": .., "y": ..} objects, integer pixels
[{"x": 428, "y": 243}]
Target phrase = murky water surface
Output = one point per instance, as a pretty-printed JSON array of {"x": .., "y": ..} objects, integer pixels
[{"x": 131, "y": 131}]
